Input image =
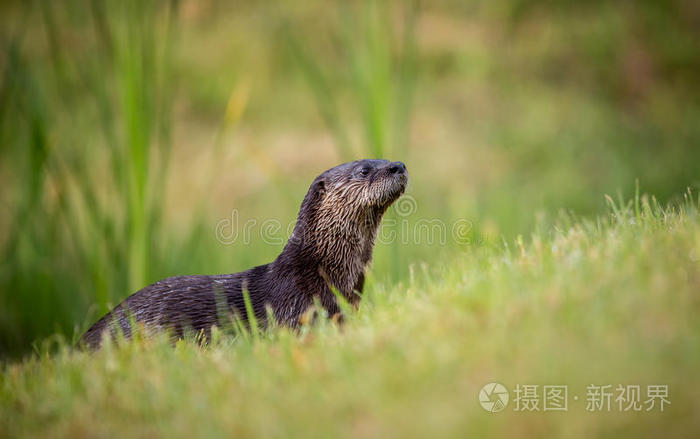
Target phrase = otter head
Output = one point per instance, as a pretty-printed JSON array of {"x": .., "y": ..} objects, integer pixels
[{"x": 340, "y": 216}]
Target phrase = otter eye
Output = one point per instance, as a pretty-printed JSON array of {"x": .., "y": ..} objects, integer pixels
[{"x": 364, "y": 171}]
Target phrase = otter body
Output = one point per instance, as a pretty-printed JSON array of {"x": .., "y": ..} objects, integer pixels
[{"x": 330, "y": 247}]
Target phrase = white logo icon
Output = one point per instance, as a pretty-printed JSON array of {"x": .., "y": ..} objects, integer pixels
[{"x": 493, "y": 397}]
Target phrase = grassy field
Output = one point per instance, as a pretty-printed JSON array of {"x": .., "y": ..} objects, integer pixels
[
  {"x": 147, "y": 139},
  {"x": 130, "y": 130},
  {"x": 608, "y": 301}
]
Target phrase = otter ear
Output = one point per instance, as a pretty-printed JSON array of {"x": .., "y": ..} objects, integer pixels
[{"x": 320, "y": 187}]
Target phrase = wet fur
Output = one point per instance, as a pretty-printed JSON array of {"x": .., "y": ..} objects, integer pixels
[{"x": 331, "y": 245}]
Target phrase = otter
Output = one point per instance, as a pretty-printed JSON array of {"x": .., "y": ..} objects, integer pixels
[{"x": 329, "y": 249}]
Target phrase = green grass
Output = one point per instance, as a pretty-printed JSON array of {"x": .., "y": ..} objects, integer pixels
[
  {"x": 612, "y": 300},
  {"x": 82, "y": 140},
  {"x": 129, "y": 129}
]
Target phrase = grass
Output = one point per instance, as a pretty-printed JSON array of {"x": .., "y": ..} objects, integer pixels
[
  {"x": 611, "y": 300},
  {"x": 129, "y": 129},
  {"x": 86, "y": 192},
  {"x": 375, "y": 75}
]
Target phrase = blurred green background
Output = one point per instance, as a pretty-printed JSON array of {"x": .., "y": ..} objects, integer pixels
[{"x": 130, "y": 130}]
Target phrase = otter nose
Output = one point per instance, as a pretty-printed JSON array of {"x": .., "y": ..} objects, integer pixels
[{"x": 397, "y": 168}]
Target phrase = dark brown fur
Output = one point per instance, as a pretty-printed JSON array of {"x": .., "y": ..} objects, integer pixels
[{"x": 331, "y": 245}]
